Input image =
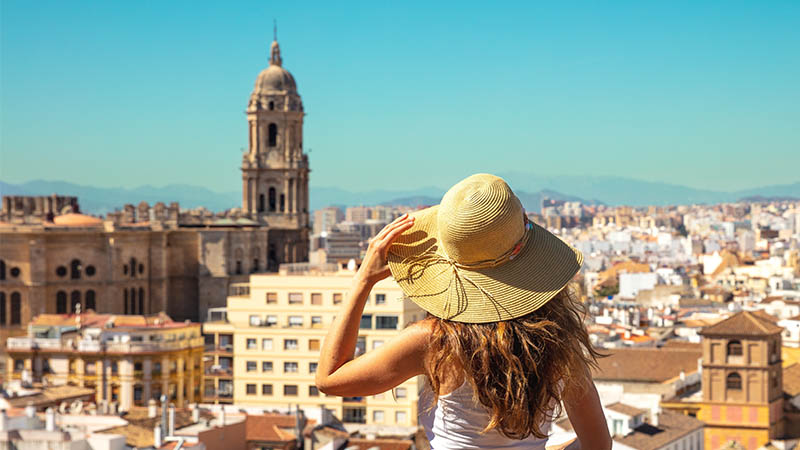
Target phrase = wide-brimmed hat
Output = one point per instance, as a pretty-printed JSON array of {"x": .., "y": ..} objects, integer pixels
[{"x": 476, "y": 258}]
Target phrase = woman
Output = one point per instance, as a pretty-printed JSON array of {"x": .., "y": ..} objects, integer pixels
[{"x": 504, "y": 344}]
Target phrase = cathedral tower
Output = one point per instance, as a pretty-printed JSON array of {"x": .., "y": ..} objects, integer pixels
[{"x": 275, "y": 169}]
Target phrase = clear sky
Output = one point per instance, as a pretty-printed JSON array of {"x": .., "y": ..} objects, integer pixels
[{"x": 405, "y": 94}]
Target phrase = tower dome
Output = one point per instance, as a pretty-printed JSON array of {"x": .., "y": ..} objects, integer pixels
[
  {"x": 275, "y": 86},
  {"x": 274, "y": 79}
]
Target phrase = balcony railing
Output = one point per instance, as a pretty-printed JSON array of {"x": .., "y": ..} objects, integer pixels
[{"x": 27, "y": 343}]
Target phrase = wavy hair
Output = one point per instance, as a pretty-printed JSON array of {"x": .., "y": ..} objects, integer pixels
[{"x": 517, "y": 367}]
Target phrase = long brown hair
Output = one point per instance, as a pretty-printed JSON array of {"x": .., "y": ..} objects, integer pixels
[{"x": 517, "y": 368}]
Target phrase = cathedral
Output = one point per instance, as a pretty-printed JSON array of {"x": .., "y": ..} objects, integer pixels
[{"x": 145, "y": 259}]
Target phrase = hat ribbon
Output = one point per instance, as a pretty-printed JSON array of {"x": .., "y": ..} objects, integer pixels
[{"x": 418, "y": 264}]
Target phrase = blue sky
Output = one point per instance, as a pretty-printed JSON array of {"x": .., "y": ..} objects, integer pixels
[{"x": 405, "y": 94}]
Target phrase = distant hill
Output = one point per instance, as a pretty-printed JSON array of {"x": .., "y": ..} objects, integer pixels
[{"x": 530, "y": 189}]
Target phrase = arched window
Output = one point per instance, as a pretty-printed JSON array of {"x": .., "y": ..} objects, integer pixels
[
  {"x": 735, "y": 348},
  {"x": 16, "y": 309},
  {"x": 272, "y": 199},
  {"x": 261, "y": 203},
  {"x": 90, "y": 304},
  {"x": 271, "y": 106},
  {"x": 133, "y": 300},
  {"x": 283, "y": 202},
  {"x": 133, "y": 268},
  {"x": 733, "y": 381},
  {"x": 61, "y": 302},
  {"x": 272, "y": 134},
  {"x": 141, "y": 301},
  {"x": 75, "y": 269},
  {"x": 255, "y": 267},
  {"x": 2, "y": 270},
  {"x": 74, "y": 301},
  {"x": 2, "y": 308}
]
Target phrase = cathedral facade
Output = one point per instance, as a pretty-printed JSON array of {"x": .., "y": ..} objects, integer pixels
[{"x": 145, "y": 259}]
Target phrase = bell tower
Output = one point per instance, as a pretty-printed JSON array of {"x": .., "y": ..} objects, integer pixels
[{"x": 275, "y": 169}]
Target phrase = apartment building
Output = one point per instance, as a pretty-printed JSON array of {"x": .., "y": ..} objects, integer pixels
[
  {"x": 276, "y": 324},
  {"x": 127, "y": 359}
]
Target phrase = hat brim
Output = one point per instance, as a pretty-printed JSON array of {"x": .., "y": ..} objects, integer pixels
[{"x": 512, "y": 289}]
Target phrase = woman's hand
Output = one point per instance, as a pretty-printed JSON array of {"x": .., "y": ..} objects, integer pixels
[{"x": 373, "y": 267}]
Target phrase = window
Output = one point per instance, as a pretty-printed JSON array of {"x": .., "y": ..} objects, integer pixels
[
  {"x": 90, "y": 300},
  {"x": 14, "y": 272},
  {"x": 255, "y": 321},
  {"x": 272, "y": 135},
  {"x": 261, "y": 203},
  {"x": 251, "y": 344},
  {"x": 90, "y": 271},
  {"x": 316, "y": 321},
  {"x": 61, "y": 271},
  {"x": 137, "y": 366},
  {"x": 272, "y": 298},
  {"x": 735, "y": 348},
  {"x": 400, "y": 417},
  {"x": 290, "y": 390},
  {"x": 400, "y": 392},
  {"x": 295, "y": 321},
  {"x": 386, "y": 322},
  {"x": 313, "y": 391},
  {"x": 290, "y": 344},
  {"x": 283, "y": 202},
  {"x": 75, "y": 269},
  {"x": 366, "y": 322},
  {"x": 251, "y": 389},
  {"x": 2, "y": 270},
  {"x": 75, "y": 301},
  {"x": 290, "y": 367},
  {"x": 2, "y": 308},
  {"x": 141, "y": 299},
  {"x": 266, "y": 366},
  {"x": 295, "y": 298},
  {"x": 380, "y": 299},
  {"x": 316, "y": 299},
  {"x": 312, "y": 367},
  {"x": 337, "y": 298},
  {"x": 313, "y": 344},
  {"x": 61, "y": 302},
  {"x": 133, "y": 301},
  {"x": 272, "y": 201},
  {"x": 266, "y": 344},
  {"x": 266, "y": 389},
  {"x": 272, "y": 320},
  {"x": 376, "y": 343},
  {"x": 255, "y": 265},
  {"x": 733, "y": 381},
  {"x": 377, "y": 416},
  {"x": 238, "y": 267},
  {"x": 252, "y": 366},
  {"x": 132, "y": 268}
]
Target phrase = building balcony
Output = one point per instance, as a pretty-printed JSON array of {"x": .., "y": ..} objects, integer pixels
[
  {"x": 219, "y": 372},
  {"x": 31, "y": 344}
]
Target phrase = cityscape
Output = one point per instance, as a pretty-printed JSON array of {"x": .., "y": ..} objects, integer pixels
[{"x": 160, "y": 326}]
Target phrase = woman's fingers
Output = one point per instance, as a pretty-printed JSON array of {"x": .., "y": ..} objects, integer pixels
[
  {"x": 388, "y": 228},
  {"x": 394, "y": 234}
]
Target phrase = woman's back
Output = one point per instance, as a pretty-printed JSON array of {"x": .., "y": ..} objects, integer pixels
[{"x": 457, "y": 422}]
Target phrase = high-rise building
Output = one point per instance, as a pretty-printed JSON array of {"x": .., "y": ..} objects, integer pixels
[{"x": 276, "y": 324}]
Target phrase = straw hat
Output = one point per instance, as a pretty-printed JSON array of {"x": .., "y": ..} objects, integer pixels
[{"x": 476, "y": 258}]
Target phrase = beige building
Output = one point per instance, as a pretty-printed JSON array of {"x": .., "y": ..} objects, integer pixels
[
  {"x": 127, "y": 360},
  {"x": 276, "y": 324},
  {"x": 150, "y": 258}
]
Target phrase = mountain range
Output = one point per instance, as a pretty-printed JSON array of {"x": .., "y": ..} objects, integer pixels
[{"x": 530, "y": 189}]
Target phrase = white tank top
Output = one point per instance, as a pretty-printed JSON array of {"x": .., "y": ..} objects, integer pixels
[{"x": 457, "y": 420}]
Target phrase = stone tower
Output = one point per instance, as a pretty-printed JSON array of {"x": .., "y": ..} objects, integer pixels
[
  {"x": 275, "y": 169},
  {"x": 742, "y": 381}
]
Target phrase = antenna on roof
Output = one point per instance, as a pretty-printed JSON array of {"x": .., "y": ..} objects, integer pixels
[{"x": 275, "y": 29}]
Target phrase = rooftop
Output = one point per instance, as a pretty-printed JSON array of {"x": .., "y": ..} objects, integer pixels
[
  {"x": 671, "y": 426},
  {"x": 654, "y": 365},
  {"x": 745, "y": 323}
]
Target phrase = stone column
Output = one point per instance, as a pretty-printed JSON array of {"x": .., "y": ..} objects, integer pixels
[
  {"x": 165, "y": 376},
  {"x": 100, "y": 382},
  {"x": 181, "y": 380},
  {"x": 147, "y": 377},
  {"x": 126, "y": 378},
  {"x": 80, "y": 371},
  {"x": 254, "y": 194},
  {"x": 286, "y": 195},
  {"x": 190, "y": 377}
]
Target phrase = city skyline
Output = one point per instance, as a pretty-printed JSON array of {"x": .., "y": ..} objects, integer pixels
[{"x": 687, "y": 94}]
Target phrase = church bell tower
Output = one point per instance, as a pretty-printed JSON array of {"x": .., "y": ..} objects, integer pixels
[{"x": 275, "y": 169}]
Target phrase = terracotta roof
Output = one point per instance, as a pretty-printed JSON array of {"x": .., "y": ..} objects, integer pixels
[
  {"x": 52, "y": 396},
  {"x": 382, "y": 444},
  {"x": 745, "y": 323},
  {"x": 91, "y": 319},
  {"x": 675, "y": 343},
  {"x": 671, "y": 426},
  {"x": 626, "y": 266},
  {"x": 791, "y": 380},
  {"x": 139, "y": 431},
  {"x": 653, "y": 365},
  {"x": 77, "y": 220},
  {"x": 622, "y": 408},
  {"x": 272, "y": 427}
]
